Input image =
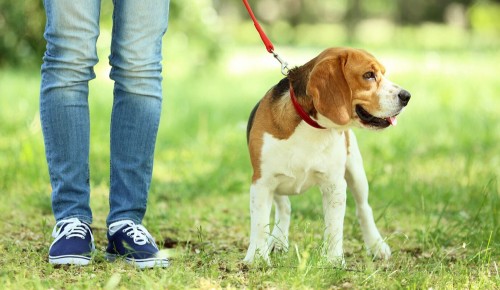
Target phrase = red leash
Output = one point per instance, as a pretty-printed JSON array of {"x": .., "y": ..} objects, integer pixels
[
  {"x": 269, "y": 45},
  {"x": 284, "y": 68},
  {"x": 263, "y": 36}
]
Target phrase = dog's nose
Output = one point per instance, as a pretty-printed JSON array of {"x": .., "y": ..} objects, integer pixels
[{"x": 404, "y": 96}]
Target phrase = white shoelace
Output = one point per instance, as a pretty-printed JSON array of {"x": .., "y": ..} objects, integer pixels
[
  {"x": 139, "y": 233},
  {"x": 73, "y": 228}
]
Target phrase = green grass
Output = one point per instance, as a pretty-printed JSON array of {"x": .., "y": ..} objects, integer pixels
[{"x": 434, "y": 183}]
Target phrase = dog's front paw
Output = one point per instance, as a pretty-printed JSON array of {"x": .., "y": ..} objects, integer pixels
[
  {"x": 250, "y": 260},
  {"x": 380, "y": 250},
  {"x": 337, "y": 261},
  {"x": 335, "y": 256},
  {"x": 279, "y": 244},
  {"x": 253, "y": 253}
]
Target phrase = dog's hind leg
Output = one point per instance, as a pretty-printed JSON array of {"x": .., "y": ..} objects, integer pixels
[
  {"x": 261, "y": 201},
  {"x": 358, "y": 184},
  {"x": 279, "y": 237}
]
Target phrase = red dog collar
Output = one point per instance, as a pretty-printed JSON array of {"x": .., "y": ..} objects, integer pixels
[{"x": 303, "y": 115}]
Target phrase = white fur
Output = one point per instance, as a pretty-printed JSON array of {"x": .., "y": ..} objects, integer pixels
[
  {"x": 389, "y": 102},
  {"x": 310, "y": 157}
]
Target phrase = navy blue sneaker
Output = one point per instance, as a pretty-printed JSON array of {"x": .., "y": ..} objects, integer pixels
[
  {"x": 134, "y": 243},
  {"x": 73, "y": 244}
]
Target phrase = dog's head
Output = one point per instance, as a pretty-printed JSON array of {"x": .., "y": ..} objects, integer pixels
[{"x": 348, "y": 87}]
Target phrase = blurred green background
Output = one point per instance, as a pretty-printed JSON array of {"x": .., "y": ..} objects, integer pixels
[
  {"x": 206, "y": 29},
  {"x": 433, "y": 178},
  {"x": 446, "y": 53}
]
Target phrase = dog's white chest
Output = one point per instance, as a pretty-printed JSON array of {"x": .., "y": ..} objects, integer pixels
[{"x": 307, "y": 158}]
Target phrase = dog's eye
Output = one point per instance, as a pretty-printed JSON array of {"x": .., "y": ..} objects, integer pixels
[{"x": 369, "y": 75}]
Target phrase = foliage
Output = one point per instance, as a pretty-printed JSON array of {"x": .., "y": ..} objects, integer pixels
[
  {"x": 484, "y": 18},
  {"x": 210, "y": 25},
  {"x": 196, "y": 24},
  {"x": 418, "y": 11},
  {"x": 21, "y": 27},
  {"x": 22, "y": 24}
]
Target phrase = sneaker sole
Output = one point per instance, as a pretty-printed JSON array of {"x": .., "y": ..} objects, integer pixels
[
  {"x": 141, "y": 263},
  {"x": 69, "y": 260}
]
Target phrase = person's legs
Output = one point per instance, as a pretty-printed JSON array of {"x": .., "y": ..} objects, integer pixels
[
  {"x": 71, "y": 33},
  {"x": 138, "y": 28}
]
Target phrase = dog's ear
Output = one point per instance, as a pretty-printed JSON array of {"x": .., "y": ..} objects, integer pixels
[{"x": 329, "y": 90}]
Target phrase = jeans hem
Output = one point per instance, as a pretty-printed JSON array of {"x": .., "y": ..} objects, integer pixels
[
  {"x": 82, "y": 218},
  {"x": 135, "y": 220}
]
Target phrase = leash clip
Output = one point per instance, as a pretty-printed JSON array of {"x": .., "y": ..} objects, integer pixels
[{"x": 284, "y": 64}]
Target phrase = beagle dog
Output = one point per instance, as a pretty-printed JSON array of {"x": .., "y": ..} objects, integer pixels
[{"x": 299, "y": 135}]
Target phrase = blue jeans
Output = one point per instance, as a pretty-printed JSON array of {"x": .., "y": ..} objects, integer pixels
[{"x": 71, "y": 33}]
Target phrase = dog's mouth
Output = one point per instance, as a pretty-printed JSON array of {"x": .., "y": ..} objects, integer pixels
[{"x": 370, "y": 120}]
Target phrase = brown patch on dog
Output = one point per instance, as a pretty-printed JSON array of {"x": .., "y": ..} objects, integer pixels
[
  {"x": 275, "y": 117},
  {"x": 329, "y": 90}
]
